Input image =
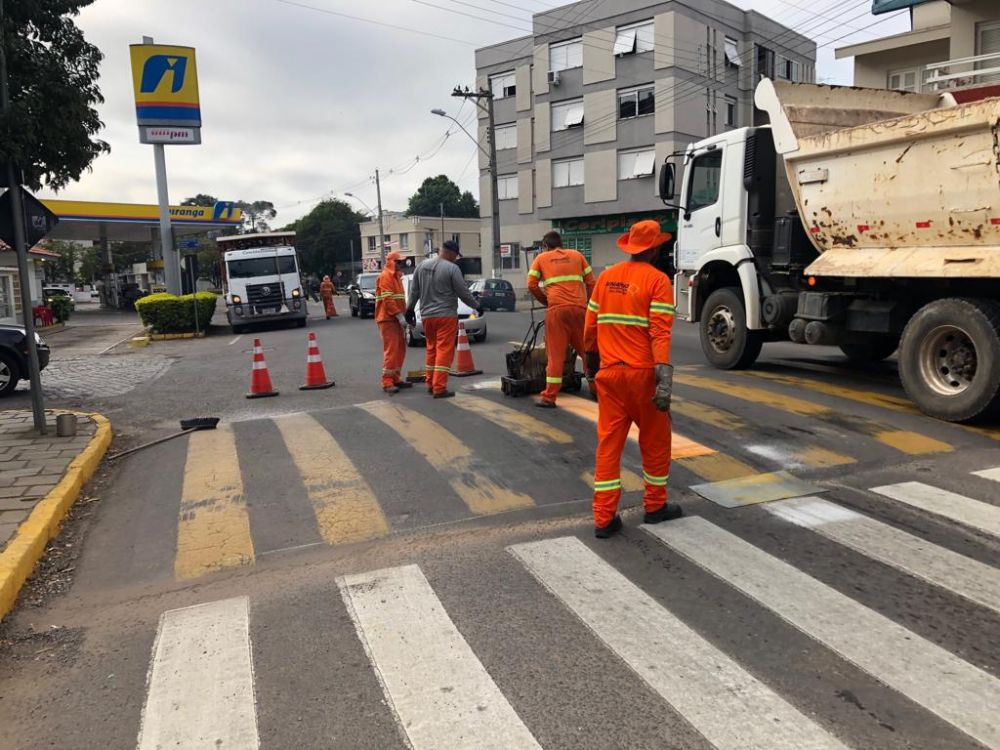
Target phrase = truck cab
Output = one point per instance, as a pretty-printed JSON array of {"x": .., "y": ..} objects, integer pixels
[{"x": 262, "y": 280}]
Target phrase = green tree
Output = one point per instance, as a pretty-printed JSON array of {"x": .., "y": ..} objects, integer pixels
[
  {"x": 323, "y": 237},
  {"x": 52, "y": 123},
  {"x": 63, "y": 269},
  {"x": 257, "y": 215},
  {"x": 437, "y": 190},
  {"x": 200, "y": 200}
]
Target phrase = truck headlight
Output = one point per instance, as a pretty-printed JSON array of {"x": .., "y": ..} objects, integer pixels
[
  {"x": 296, "y": 293},
  {"x": 237, "y": 299}
]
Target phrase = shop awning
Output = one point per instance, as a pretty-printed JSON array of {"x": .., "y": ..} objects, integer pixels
[{"x": 136, "y": 222}]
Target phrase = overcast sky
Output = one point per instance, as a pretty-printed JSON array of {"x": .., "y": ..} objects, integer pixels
[{"x": 299, "y": 104}]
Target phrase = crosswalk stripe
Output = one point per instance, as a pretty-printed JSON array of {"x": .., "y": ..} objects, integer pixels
[
  {"x": 959, "y": 574},
  {"x": 955, "y": 690},
  {"x": 441, "y": 694},
  {"x": 450, "y": 456},
  {"x": 993, "y": 474},
  {"x": 710, "y": 415},
  {"x": 725, "y": 703},
  {"x": 201, "y": 684},
  {"x": 912, "y": 443},
  {"x": 974, "y": 513},
  {"x": 525, "y": 427},
  {"x": 345, "y": 506},
  {"x": 213, "y": 531}
]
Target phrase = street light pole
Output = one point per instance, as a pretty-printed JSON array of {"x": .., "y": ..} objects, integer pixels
[{"x": 381, "y": 229}]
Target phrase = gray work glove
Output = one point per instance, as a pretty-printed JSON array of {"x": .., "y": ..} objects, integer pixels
[
  {"x": 401, "y": 319},
  {"x": 664, "y": 387}
]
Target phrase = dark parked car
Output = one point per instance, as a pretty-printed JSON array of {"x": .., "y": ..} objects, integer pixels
[
  {"x": 14, "y": 357},
  {"x": 362, "y": 299},
  {"x": 495, "y": 294}
]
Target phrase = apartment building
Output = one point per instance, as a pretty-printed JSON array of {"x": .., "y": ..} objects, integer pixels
[
  {"x": 603, "y": 91},
  {"x": 416, "y": 236},
  {"x": 951, "y": 45}
]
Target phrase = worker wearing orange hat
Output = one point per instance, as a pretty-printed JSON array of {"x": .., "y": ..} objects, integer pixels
[
  {"x": 562, "y": 280},
  {"x": 627, "y": 338},
  {"x": 326, "y": 290},
  {"x": 390, "y": 303}
]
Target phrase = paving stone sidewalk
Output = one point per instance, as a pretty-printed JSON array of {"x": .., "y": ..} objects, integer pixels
[{"x": 31, "y": 465}]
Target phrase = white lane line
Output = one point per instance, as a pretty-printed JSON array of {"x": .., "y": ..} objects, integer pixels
[
  {"x": 961, "y": 575},
  {"x": 200, "y": 691},
  {"x": 730, "y": 707},
  {"x": 237, "y": 338},
  {"x": 974, "y": 513},
  {"x": 958, "y": 692},
  {"x": 993, "y": 474},
  {"x": 442, "y": 695}
]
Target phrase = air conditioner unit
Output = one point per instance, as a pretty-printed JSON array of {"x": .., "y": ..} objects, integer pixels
[{"x": 554, "y": 78}]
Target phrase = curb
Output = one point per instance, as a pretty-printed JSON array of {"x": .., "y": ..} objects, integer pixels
[
  {"x": 175, "y": 336},
  {"x": 27, "y": 546}
]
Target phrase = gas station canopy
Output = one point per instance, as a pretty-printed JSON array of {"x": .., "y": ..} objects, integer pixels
[{"x": 133, "y": 222}]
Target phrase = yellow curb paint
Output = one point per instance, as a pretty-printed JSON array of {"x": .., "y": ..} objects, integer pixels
[
  {"x": 26, "y": 547},
  {"x": 451, "y": 457},
  {"x": 631, "y": 482},
  {"x": 345, "y": 506},
  {"x": 213, "y": 531},
  {"x": 525, "y": 427}
]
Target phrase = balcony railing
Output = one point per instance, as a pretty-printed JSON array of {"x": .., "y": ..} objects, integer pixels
[{"x": 962, "y": 73}]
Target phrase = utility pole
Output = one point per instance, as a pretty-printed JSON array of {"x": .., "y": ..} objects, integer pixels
[
  {"x": 478, "y": 96},
  {"x": 351, "y": 242},
  {"x": 381, "y": 228},
  {"x": 442, "y": 222},
  {"x": 21, "y": 249}
]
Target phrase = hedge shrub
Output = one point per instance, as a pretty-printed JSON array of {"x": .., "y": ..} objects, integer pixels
[
  {"x": 62, "y": 308},
  {"x": 169, "y": 313}
]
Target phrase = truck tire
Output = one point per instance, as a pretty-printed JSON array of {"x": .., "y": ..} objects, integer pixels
[
  {"x": 872, "y": 347},
  {"x": 727, "y": 342},
  {"x": 949, "y": 358}
]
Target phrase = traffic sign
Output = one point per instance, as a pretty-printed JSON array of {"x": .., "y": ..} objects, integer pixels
[
  {"x": 38, "y": 220},
  {"x": 505, "y": 251},
  {"x": 188, "y": 244}
]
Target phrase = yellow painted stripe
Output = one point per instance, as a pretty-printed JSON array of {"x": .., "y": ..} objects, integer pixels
[
  {"x": 214, "y": 528},
  {"x": 904, "y": 441},
  {"x": 345, "y": 506},
  {"x": 451, "y": 457},
  {"x": 527, "y": 428},
  {"x": 631, "y": 482},
  {"x": 821, "y": 458},
  {"x": 718, "y": 467}
]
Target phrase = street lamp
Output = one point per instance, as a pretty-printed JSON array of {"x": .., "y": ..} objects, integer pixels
[
  {"x": 381, "y": 230},
  {"x": 491, "y": 154},
  {"x": 370, "y": 211}
]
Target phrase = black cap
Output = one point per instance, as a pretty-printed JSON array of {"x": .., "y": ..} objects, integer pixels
[{"x": 452, "y": 246}]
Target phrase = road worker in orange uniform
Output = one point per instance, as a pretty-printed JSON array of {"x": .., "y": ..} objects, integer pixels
[
  {"x": 562, "y": 281},
  {"x": 629, "y": 318},
  {"x": 326, "y": 290},
  {"x": 390, "y": 304}
]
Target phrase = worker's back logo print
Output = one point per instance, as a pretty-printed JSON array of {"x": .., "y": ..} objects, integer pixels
[{"x": 618, "y": 287}]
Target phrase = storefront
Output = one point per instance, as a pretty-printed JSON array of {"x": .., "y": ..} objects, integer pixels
[{"x": 596, "y": 236}]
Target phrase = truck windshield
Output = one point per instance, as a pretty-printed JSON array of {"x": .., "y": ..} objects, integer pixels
[{"x": 251, "y": 267}]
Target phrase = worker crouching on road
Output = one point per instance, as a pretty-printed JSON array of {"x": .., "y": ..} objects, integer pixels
[
  {"x": 627, "y": 338},
  {"x": 390, "y": 303},
  {"x": 326, "y": 290},
  {"x": 562, "y": 280},
  {"x": 437, "y": 285}
]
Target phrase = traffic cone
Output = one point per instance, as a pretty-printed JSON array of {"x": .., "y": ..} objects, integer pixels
[
  {"x": 466, "y": 366},
  {"x": 315, "y": 374},
  {"x": 260, "y": 378}
]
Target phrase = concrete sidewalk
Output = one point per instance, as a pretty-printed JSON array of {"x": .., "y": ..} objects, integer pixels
[{"x": 40, "y": 479}]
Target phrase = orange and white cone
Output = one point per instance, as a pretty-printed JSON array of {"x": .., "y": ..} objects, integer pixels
[
  {"x": 315, "y": 373},
  {"x": 465, "y": 365},
  {"x": 260, "y": 378}
]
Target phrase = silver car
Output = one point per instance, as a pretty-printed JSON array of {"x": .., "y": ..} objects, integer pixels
[{"x": 475, "y": 325}]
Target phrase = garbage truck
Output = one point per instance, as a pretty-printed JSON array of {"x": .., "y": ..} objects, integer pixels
[{"x": 863, "y": 219}]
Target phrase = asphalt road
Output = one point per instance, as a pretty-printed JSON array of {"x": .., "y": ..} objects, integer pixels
[{"x": 347, "y": 570}]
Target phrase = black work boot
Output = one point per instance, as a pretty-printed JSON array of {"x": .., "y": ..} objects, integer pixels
[
  {"x": 404, "y": 384},
  {"x": 545, "y": 404},
  {"x": 603, "y": 532},
  {"x": 445, "y": 394},
  {"x": 668, "y": 512}
]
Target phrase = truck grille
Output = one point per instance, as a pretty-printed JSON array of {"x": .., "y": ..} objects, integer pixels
[{"x": 266, "y": 295}]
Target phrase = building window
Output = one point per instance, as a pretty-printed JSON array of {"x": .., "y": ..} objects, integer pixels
[
  {"x": 764, "y": 62},
  {"x": 566, "y": 115},
  {"x": 788, "y": 70},
  {"x": 567, "y": 173},
  {"x": 511, "y": 262},
  {"x": 732, "y": 111},
  {"x": 566, "y": 55},
  {"x": 634, "y": 39},
  {"x": 903, "y": 80},
  {"x": 507, "y": 187},
  {"x": 373, "y": 244},
  {"x": 637, "y": 101},
  {"x": 404, "y": 242},
  {"x": 503, "y": 85},
  {"x": 732, "y": 53},
  {"x": 457, "y": 239},
  {"x": 704, "y": 184},
  {"x": 506, "y": 136},
  {"x": 635, "y": 164}
]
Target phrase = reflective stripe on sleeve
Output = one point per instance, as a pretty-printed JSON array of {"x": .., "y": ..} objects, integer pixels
[
  {"x": 661, "y": 307},
  {"x": 622, "y": 320},
  {"x": 553, "y": 380},
  {"x": 587, "y": 270},
  {"x": 536, "y": 274},
  {"x": 593, "y": 306}
]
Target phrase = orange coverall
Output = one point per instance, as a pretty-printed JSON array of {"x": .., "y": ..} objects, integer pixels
[
  {"x": 441, "y": 334},
  {"x": 326, "y": 294},
  {"x": 629, "y": 318},
  {"x": 390, "y": 301},
  {"x": 568, "y": 282}
]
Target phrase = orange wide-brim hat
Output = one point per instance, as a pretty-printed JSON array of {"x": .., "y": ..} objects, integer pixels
[{"x": 643, "y": 236}]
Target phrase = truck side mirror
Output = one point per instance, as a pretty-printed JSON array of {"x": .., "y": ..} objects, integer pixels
[{"x": 668, "y": 178}]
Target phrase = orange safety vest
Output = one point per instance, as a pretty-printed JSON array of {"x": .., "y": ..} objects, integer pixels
[
  {"x": 566, "y": 276},
  {"x": 390, "y": 300}
]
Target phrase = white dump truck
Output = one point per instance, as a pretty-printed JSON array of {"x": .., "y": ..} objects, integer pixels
[{"x": 859, "y": 218}]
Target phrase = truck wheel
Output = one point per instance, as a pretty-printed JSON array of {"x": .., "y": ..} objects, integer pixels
[
  {"x": 727, "y": 342},
  {"x": 949, "y": 358},
  {"x": 872, "y": 347}
]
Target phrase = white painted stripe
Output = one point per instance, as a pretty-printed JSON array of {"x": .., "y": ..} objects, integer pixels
[
  {"x": 200, "y": 691},
  {"x": 974, "y": 513},
  {"x": 961, "y": 575},
  {"x": 955, "y": 690},
  {"x": 725, "y": 703},
  {"x": 442, "y": 695},
  {"x": 237, "y": 338},
  {"x": 993, "y": 474}
]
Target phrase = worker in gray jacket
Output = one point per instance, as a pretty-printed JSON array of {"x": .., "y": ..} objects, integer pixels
[{"x": 437, "y": 286}]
